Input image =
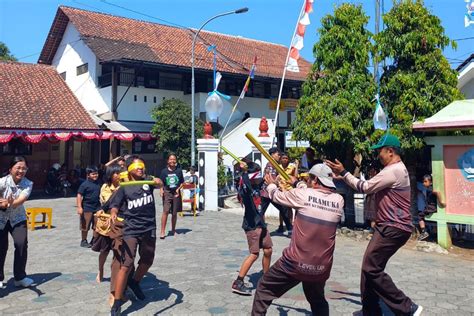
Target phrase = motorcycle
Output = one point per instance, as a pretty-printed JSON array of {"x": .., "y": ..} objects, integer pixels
[{"x": 56, "y": 183}]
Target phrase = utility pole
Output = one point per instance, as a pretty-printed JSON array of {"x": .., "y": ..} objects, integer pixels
[{"x": 377, "y": 29}]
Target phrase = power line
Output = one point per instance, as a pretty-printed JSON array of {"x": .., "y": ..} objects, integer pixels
[
  {"x": 463, "y": 39},
  {"x": 73, "y": 42}
]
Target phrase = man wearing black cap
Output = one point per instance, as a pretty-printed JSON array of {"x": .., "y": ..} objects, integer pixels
[
  {"x": 284, "y": 211},
  {"x": 393, "y": 227}
]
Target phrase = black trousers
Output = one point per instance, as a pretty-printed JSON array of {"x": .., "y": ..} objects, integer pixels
[
  {"x": 284, "y": 211},
  {"x": 277, "y": 282},
  {"x": 374, "y": 282},
  {"x": 19, "y": 233}
]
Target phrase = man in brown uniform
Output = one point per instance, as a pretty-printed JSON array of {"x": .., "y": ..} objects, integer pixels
[
  {"x": 308, "y": 258},
  {"x": 393, "y": 227}
]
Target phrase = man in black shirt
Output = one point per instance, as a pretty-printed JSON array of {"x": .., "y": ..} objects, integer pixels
[
  {"x": 253, "y": 224},
  {"x": 139, "y": 230},
  {"x": 88, "y": 203}
]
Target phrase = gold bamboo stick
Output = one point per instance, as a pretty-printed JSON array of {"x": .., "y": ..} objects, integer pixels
[
  {"x": 231, "y": 154},
  {"x": 270, "y": 159}
]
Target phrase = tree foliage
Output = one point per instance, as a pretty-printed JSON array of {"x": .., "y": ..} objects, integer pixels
[
  {"x": 173, "y": 129},
  {"x": 335, "y": 110},
  {"x": 419, "y": 81},
  {"x": 5, "y": 54}
]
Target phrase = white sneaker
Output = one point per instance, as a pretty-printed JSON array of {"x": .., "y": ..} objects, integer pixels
[
  {"x": 26, "y": 282},
  {"x": 2, "y": 285},
  {"x": 416, "y": 310}
]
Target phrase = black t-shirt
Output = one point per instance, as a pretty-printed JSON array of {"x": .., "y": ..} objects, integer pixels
[
  {"x": 90, "y": 192},
  {"x": 252, "y": 217},
  {"x": 172, "y": 179},
  {"x": 138, "y": 208}
]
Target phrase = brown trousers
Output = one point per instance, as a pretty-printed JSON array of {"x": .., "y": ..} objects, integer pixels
[
  {"x": 277, "y": 282},
  {"x": 374, "y": 282}
]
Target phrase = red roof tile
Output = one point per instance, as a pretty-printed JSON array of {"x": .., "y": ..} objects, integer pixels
[
  {"x": 113, "y": 38},
  {"x": 36, "y": 97}
]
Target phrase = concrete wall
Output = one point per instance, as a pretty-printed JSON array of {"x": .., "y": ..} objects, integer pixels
[
  {"x": 468, "y": 89},
  {"x": 71, "y": 53}
]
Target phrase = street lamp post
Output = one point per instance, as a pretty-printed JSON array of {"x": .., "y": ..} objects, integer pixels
[{"x": 193, "y": 140}]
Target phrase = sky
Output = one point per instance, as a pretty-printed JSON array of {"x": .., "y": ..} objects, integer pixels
[{"x": 24, "y": 24}]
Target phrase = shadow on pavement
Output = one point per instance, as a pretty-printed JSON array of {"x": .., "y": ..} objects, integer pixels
[
  {"x": 38, "y": 278},
  {"x": 283, "y": 309},
  {"x": 155, "y": 290},
  {"x": 255, "y": 277},
  {"x": 183, "y": 231}
]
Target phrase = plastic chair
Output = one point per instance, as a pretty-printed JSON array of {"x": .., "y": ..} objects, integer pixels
[
  {"x": 191, "y": 187},
  {"x": 33, "y": 211}
]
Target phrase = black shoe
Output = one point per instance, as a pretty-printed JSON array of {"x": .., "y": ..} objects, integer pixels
[
  {"x": 280, "y": 229},
  {"x": 136, "y": 290},
  {"x": 85, "y": 244},
  {"x": 416, "y": 309},
  {"x": 239, "y": 287},
  {"x": 116, "y": 309},
  {"x": 91, "y": 243}
]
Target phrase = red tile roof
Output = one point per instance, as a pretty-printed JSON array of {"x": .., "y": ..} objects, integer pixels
[
  {"x": 36, "y": 97},
  {"x": 114, "y": 38}
]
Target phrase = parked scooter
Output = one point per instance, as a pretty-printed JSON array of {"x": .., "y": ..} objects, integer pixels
[{"x": 56, "y": 182}]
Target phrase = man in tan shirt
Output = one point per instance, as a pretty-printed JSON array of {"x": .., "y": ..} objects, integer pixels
[{"x": 393, "y": 227}]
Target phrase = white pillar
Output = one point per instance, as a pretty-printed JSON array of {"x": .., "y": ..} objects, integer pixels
[
  {"x": 208, "y": 162},
  {"x": 257, "y": 156}
]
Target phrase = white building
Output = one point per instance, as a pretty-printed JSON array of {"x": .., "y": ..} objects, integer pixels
[
  {"x": 121, "y": 68},
  {"x": 466, "y": 77}
]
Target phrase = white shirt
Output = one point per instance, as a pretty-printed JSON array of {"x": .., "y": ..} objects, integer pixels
[{"x": 9, "y": 187}]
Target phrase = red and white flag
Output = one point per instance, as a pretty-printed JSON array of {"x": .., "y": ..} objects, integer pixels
[{"x": 297, "y": 42}]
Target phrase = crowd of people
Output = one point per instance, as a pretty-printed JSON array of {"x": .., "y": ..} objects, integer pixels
[{"x": 122, "y": 216}]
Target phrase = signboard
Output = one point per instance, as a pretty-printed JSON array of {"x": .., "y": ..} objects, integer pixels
[
  {"x": 285, "y": 104},
  {"x": 290, "y": 143},
  {"x": 459, "y": 179}
]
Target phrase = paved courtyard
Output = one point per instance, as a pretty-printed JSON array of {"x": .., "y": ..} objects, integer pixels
[{"x": 193, "y": 272}]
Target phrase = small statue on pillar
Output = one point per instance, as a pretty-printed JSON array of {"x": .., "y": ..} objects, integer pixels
[
  {"x": 263, "y": 128},
  {"x": 208, "y": 131}
]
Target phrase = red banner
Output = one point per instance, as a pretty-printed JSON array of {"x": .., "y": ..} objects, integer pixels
[{"x": 34, "y": 137}]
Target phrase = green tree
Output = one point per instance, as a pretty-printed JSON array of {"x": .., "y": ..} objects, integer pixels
[
  {"x": 335, "y": 110},
  {"x": 419, "y": 80},
  {"x": 5, "y": 54},
  {"x": 173, "y": 129}
]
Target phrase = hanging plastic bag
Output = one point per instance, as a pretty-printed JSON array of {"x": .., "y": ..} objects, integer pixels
[{"x": 380, "y": 119}]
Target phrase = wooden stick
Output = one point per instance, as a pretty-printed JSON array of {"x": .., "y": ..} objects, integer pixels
[{"x": 270, "y": 159}]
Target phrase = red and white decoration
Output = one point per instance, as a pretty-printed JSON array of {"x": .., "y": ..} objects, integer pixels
[
  {"x": 297, "y": 42},
  {"x": 35, "y": 136}
]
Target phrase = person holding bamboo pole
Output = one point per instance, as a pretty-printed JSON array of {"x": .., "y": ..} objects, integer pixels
[{"x": 284, "y": 210}]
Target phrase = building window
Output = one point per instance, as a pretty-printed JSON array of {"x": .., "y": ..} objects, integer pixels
[
  {"x": 135, "y": 98},
  {"x": 170, "y": 81},
  {"x": 154, "y": 99},
  {"x": 15, "y": 147},
  {"x": 144, "y": 98},
  {"x": 143, "y": 147},
  {"x": 258, "y": 89},
  {"x": 82, "y": 69},
  {"x": 274, "y": 89},
  {"x": 63, "y": 75}
]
